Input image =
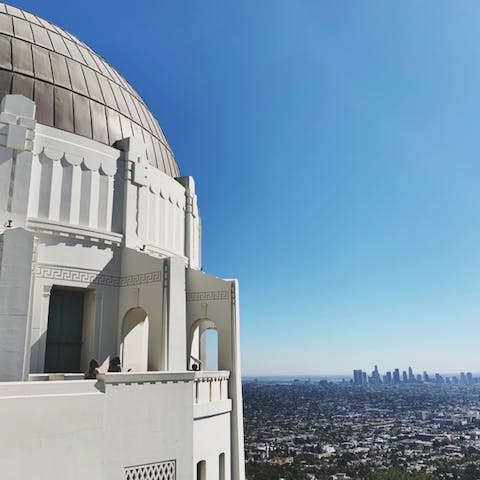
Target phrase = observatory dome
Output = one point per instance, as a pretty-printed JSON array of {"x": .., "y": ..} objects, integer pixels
[{"x": 74, "y": 89}]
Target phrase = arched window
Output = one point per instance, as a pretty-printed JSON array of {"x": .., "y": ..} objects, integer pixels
[
  {"x": 202, "y": 470},
  {"x": 221, "y": 466}
]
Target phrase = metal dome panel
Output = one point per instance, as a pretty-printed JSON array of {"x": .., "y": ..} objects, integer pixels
[{"x": 74, "y": 89}]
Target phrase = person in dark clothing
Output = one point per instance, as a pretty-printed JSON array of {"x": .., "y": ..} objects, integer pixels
[
  {"x": 115, "y": 365},
  {"x": 91, "y": 373}
]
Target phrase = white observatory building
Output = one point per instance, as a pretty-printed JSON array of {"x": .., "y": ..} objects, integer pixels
[{"x": 100, "y": 256}]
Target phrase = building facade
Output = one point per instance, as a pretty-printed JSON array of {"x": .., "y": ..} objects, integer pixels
[{"x": 100, "y": 255}]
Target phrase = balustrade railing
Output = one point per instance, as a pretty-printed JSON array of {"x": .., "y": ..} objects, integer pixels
[{"x": 211, "y": 386}]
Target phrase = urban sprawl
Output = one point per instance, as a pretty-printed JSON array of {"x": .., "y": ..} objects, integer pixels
[{"x": 425, "y": 426}]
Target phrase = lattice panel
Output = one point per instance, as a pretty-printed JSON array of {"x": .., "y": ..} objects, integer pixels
[{"x": 151, "y": 471}]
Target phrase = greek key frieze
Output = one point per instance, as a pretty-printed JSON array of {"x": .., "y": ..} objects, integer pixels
[
  {"x": 141, "y": 278},
  {"x": 96, "y": 278},
  {"x": 76, "y": 275},
  {"x": 210, "y": 296}
]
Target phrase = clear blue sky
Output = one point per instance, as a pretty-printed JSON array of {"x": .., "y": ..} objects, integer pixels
[{"x": 336, "y": 151}]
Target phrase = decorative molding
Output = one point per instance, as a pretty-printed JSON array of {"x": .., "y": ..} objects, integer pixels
[
  {"x": 141, "y": 278},
  {"x": 92, "y": 277},
  {"x": 166, "y": 275},
  {"x": 160, "y": 184},
  {"x": 92, "y": 161},
  {"x": 76, "y": 275},
  {"x": 188, "y": 203},
  {"x": 209, "y": 296},
  {"x": 152, "y": 471},
  {"x": 206, "y": 376},
  {"x": 47, "y": 290},
  {"x": 17, "y": 123},
  {"x": 49, "y": 227}
]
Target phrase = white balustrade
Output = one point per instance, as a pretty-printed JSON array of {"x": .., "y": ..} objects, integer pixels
[{"x": 211, "y": 387}]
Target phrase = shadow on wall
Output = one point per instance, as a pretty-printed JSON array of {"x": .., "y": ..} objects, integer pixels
[{"x": 134, "y": 342}]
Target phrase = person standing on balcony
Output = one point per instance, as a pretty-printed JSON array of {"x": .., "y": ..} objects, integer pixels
[
  {"x": 91, "y": 373},
  {"x": 115, "y": 365}
]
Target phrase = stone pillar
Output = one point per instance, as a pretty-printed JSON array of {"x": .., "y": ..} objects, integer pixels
[
  {"x": 16, "y": 285},
  {"x": 174, "y": 315},
  {"x": 17, "y": 132},
  {"x": 193, "y": 241},
  {"x": 238, "y": 455},
  {"x": 135, "y": 179}
]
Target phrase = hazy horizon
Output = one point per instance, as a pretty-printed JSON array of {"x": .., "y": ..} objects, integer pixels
[{"x": 349, "y": 374}]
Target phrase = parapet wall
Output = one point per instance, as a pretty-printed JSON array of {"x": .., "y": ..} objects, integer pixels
[{"x": 79, "y": 429}]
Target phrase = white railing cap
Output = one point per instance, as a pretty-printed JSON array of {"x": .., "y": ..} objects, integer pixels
[
  {"x": 142, "y": 377},
  {"x": 212, "y": 375}
]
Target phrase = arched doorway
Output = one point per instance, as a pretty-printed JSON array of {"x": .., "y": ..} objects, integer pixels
[
  {"x": 134, "y": 343},
  {"x": 203, "y": 345}
]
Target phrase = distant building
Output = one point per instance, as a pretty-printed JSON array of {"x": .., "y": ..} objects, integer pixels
[
  {"x": 396, "y": 376},
  {"x": 376, "y": 379}
]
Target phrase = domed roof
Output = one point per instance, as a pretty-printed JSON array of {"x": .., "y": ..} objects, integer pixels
[{"x": 74, "y": 88}]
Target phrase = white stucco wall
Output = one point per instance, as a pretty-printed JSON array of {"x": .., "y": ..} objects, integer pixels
[
  {"x": 72, "y": 429},
  {"x": 50, "y": 432},
  {"x": 211, "y": 438}
]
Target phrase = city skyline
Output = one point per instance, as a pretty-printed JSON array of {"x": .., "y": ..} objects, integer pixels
[
  {"x": 408, "y": 376},
  {"x": 335, "y": 151},
  {"x": 346, "y": 374}
]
